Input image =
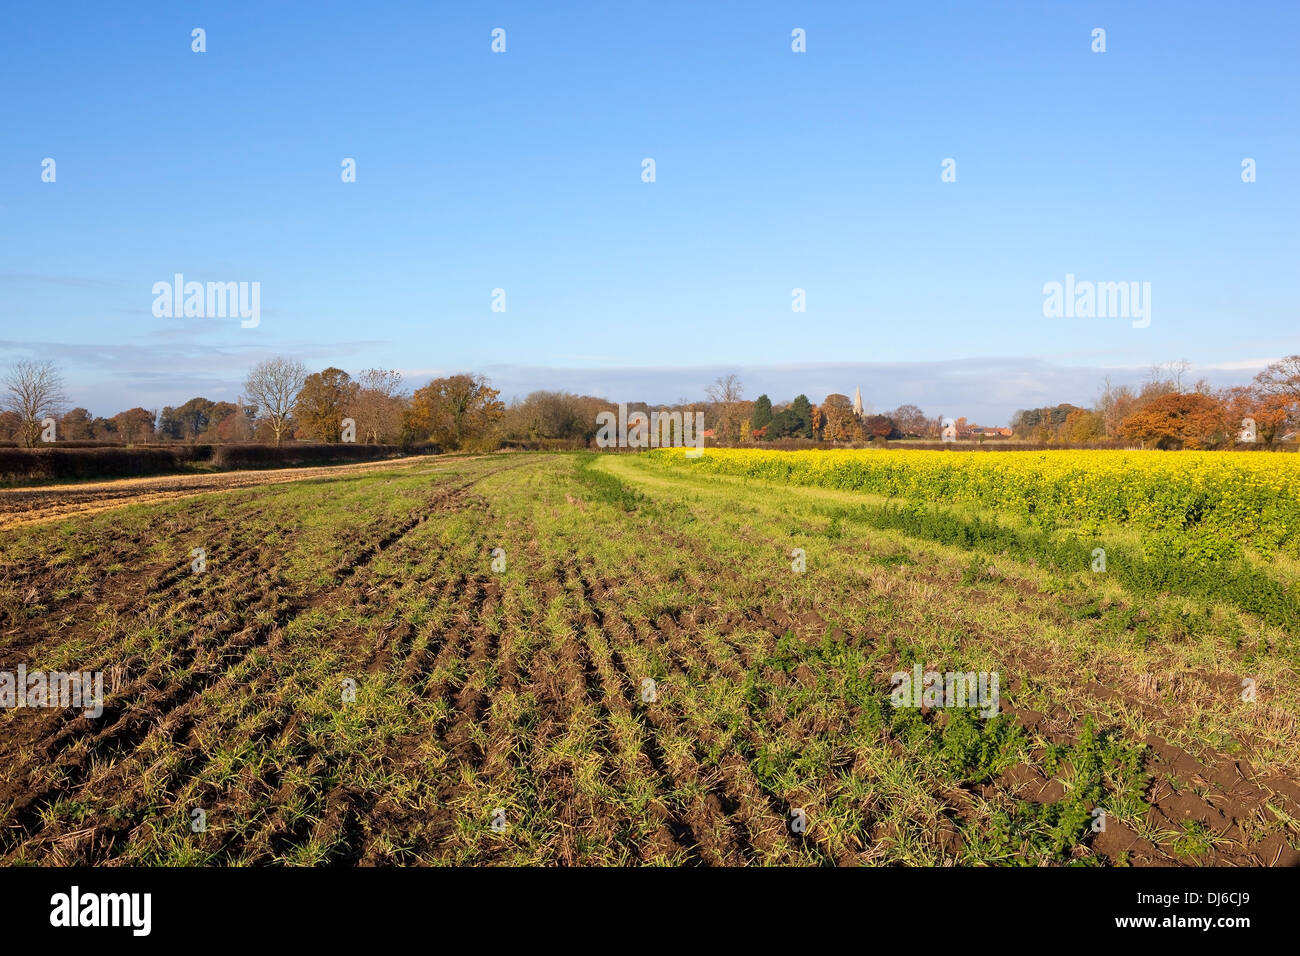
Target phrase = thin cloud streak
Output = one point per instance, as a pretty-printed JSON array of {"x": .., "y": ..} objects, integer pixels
[{"x": 987, "y": 390}]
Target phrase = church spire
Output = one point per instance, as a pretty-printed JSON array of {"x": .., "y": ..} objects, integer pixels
[{"x": 857, "y": 402}]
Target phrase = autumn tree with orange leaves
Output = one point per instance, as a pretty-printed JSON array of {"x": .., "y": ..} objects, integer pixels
[
  {"x": 1189, "y": 420},
  {"x": 454, "y": 411}
]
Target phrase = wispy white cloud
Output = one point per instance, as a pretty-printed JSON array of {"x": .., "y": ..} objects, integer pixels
[{"x": 169, "y": 369}]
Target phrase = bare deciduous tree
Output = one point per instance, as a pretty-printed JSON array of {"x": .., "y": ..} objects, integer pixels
[
  {"x": 379, "y": 405},
  {"x": 35, "y": 391},
  {"x": 727, "y": 395},
  {"x": 1167, "y": 377},
  {"x": 273, "y": 386},
  {"x": 1279, "y": 390},
  {"x": 1281, "y": 378},
  {"x": 909, "y": 420}
]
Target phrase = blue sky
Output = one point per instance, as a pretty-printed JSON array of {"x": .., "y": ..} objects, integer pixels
[{"x": 774, "y": 170}]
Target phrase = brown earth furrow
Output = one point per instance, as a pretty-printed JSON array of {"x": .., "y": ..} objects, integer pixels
[
  {"x": 45, "y": 503},
  {"x": 135, "y": 721}
]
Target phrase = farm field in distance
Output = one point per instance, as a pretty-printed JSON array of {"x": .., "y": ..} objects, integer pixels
[{"x": 668, "y": 661}]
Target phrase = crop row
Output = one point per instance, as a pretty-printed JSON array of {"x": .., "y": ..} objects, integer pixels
[{"x": 1251, "y": 498}]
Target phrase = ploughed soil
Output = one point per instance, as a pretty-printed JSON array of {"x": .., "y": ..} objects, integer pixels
[
  {"x": 168, "y": 713},
  {"x": 34, "y": 505}
]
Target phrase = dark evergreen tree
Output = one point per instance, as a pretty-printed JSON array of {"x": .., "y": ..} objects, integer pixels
[{"x": 801, "y": 408}]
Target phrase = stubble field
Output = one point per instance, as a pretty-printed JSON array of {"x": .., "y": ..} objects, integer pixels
[{"x": 638, "y": 675}]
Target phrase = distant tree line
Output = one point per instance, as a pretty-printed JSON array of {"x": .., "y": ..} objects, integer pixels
[
  {"x": 282, "y": 401},
  {"x": 1168, "y": 412}
]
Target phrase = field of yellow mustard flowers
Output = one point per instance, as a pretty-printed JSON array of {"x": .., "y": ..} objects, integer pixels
[{"x": 1250, "y": 497}]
